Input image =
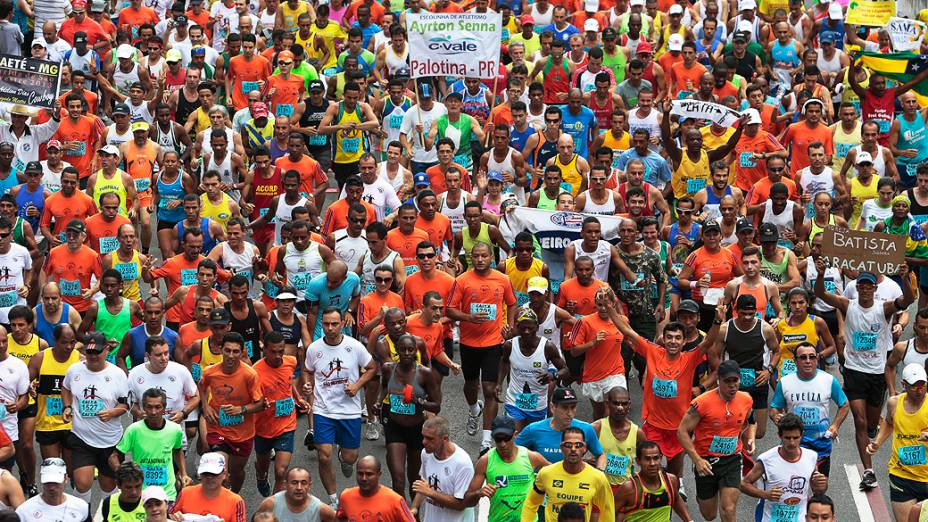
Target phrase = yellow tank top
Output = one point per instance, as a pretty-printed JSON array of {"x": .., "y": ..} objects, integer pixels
[
  {"x": 519, "y": 278},
  {"x": 50, "y": 407},
  {"x": 617, "y": 145},
  {"x": 349, "y": 146},
  {"x": 207, "y": 357},
  {"x": 845, "y": 141},
  {"x": 114, "y": 184},
  {"x": 570, "y": 173},
  {"x": 666, "y": 31},
  {"x": 203, "y": 122},
  {"x": 620, "y": 455},
  {"x": 862, "y": 193},
  {"x": 131, "y": 274},
  {"x": 218, "y": 212},
  {"x": 23, "y": 352},
  {"x": 793, "y": 336},
  {"x": 907, "y": 460},
  {"x": 291, "y": 16},
  {"x": 329, "y": 33},
  {"x": 690, "y": 177}
]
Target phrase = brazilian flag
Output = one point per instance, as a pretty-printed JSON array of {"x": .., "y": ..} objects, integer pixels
[{"x": 901, "y": 67}]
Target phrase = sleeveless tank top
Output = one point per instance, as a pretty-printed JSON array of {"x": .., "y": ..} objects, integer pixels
[
  {"x": 524, "y": 392},
  {"x": 48, "y": 391},
  {"x": 844, "y": 142},
  {"x": 302, "y": 266},
  {"x": 791, "y": 337},
  {"x": 469, "y": 241},
  {"x": 620, "y": 455},
  {"x": 26, "y": 199},
  {"x": 651, "y": 504},
  {"x": 603, "y": 209},
  {"x": 114, "y": 138},
  {"x": 131, "y": 272},
  {"x": 23, "y": 352},
  {"x": 907, "y": 459},
  {"x": 219, "y": 212},
  {"x": 104, "y": 185},
  {"x": 570, "y": 173},
  {"x": 45, "y": 329},
  {"x": 283, "y": 513},
  {"x": 292, "y": 332},
  {"x": 911, "y": 136},
  {"x": 249, "y": 328},
  {"x": 399, "y": 403},
  {"x": 546, "y": 203},
  {"x": 691, "y": 176},
  {"x": 348, "y": 145},
  {"x": 167, "y": 193},
  {"x": 748, "y": 349},
  {"x": 208, "y": 241},
  {"x": 185, "y": 108},
  {"x": 284, "y": 214}
]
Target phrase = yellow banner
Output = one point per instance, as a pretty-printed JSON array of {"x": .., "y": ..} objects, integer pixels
[{"x": 870, "y": 12}]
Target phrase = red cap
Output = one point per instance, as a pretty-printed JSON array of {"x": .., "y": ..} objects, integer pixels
[
  {"x": 285, "y": 55},
  {"x": 644, "y": 47},
  {"x": 258, "y": 110},
  {"x": 527, "y": 19},
  {"x": 79, "y": 5}
]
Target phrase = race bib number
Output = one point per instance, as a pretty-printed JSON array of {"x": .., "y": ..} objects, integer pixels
[
  {"x": 142, "y": 184},
  {"x": 789, "y": 366},
  {"x": 713, "y": 296},
  {"x": 884, "y": 126},
  {"x": 299, "y": 280},
  {"x": 695, "y": 185},
  {"x": 247, "y": 87},
  {"x": 399, "y": 407},
  {"x": 912, "y": 455},
  {"x": 188, "y": 276},
  {"x": 864, "y": 341},
  {"x": 155, "y": 475},
  {"x": 111, "y": 357},
  {"x": 808, "y": 414},
  {"x": 723, "y": 445},
  {"x": 630, "y": 286},
  {"x": 270, "y": 289},
  {"x": 411, "y": 269},
  {"x": 784, "y": 512},
  {"x": 616, "y": 465},
  {"x": 351, "y": 145},
  {"x": 368, "y": 288},
  {"x": 3, "y": 411},
  {"x": 283, "y": 109},
  {"x": 489, "y": 309},
  {"x": 89, "y": 407},
  {"x": 841, "y": 149},
  {"x": 230, "y": 420},
  {"x": 196, "y": 371},
  {"x": 748, "y": 376},
  {"x": 664, "y": 388},
  {"x": 746, "y": 160},
  {"x": 527, "y": 401},
  {"x": 250, "y": 348},
  {"x": 69, "y": 288},
  {"x": 80, "y": 148},
  {"x": 54, "y": 406},
  {"x": 108, "y": 244},
  {"x": 396, "y": 120},
  {"x": 283, "y": 407},
  {"x": 129, "y": 271},
  {"x": 318, "y": 140},
  {"x": 8, "y": 299}
]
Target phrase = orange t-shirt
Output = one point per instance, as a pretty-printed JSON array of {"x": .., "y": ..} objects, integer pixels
[
  {"x": 81, "y": 135},
  {"x": 473, "y": 293},
  {"x": 667, "y": 384},
  {"x": 188, "y": 334},
  {"x": 240, "y": 388},
  {"x": 311, "y": 175},
  {"x": 450, "y": 8},
  {"x": 437, "y": 178},
  {"x": 288, "y": 93},
  {"x": 101, "y": 234},
  {"x": 202, "y": 20},
  {"x": 371, "y": 304},
  {"x": 336, "y": 216},
  {"x": 583, "y": 296},
  {"x": 95, "y": 32},
  {"x": 227, "y": 505},
  {"x": 798, "y": 137},
  {"x": 62, "y": 209},
  {"x": 718, "y": 433},
  {"x": 405, "y": 245},
  {"x": 438, "y": 229},
  {"x": 72, "y": 271},
  {"x": 683, "y": 79},
  {"x": 276, "y": 387},
  {"x": 417, "y": 285},
  {"x": 728, "y": 89},
  {"x": 605, "y": 357},
  {"x": 245, "y": 77},
  {"x": 667, "y": 61},
  {"x": 131, "y": 19},
  {"x": 388, "y": 504},
  {"x": 140, "y": 164},
  {"x": 432, "y": 335},
  {"x": 377, "y": 11},
  {"x": 90, "y": 96},
  {"x": 760, "y": 191},
  {"x": 721, "y": 268},
  {"x": 179, "y": 272},
  {"x": 747, "y": 170}
]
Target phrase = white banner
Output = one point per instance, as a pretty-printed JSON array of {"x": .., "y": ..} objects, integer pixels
[
  {"x": 701, "y": 110},
  {"x": 454, "y": 44},
  {"x": 906, "y": 34}
]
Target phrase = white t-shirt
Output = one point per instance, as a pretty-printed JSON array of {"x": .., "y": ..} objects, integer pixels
[
  {"x": 14, "y": 381},
  {"x": 451, "y": 476},
  {"x": 175, "y": 381},
  {"x": 333, "y": 368},
  {"x": 886, "y": 290},
  {"x": 55, "y": 51},
  {"x": 12, "y": 265},
  {"x": 226, "y": 24},
  {"x": 35, "y": 509},
  {"x": 93, "y": 392},
  {"x": 793, "y": 478},
  {"x": 381, "y": 195},
  {"x": 871, "y": 213},
  {"x": 408, "y": 127}
]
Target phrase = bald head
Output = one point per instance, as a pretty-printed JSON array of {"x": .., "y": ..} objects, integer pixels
[
  {"x": 565, "y": 139},
  {"x": 337, "y": 270},
  {"x": 369, "y": 462},
  {"x": 617, "y": 393}
]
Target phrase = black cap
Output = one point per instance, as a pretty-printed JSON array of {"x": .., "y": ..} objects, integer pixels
[
  {"x": 744, "y": 224},
  {"x": 711, "y": 225},
  {"x": 740, "y": 35},
  {"x": 503, "y": 425},
  {"x": 76, "y": 225},
  {"x": 729, "y": 368},
  {"x": 316, "y": 85},
  {"x": 609, "y": 33},
  {"x": 688, "y": 305},
  {"x": 401, "y": 73},
  {"x": 769, "y": 233},
  {"x": 121, "y": 108},
  {"x": 219, "y": 317},
  {"x": 33, "y": 166},
  {"x": 180, "y": 20},
  {"x": 564, "y": 396},
  {"x": 746, "y": 302},
  {"x": 95, "y": 342},
  {"x": 80, "y": 36}
]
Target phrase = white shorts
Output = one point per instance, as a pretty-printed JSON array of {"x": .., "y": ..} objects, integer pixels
[{"x": 596, "y": 390}]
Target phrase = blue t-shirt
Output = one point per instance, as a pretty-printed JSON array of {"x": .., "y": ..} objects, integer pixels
[
  {"x": 806, "y": 396},
  {"x": 541, "y": 437},
  {"x": 367, "y": 32},
  {"x": 319, "y": 293},
  {"x": 561, "y": 34},
  {"x": 579, "y": 126},
  {"x": 138, "y": 335},
  {"x": 656, "y": 170}
]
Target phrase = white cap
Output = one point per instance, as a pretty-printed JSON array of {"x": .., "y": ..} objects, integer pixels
[
  {"x": 39, "y": 42},
  {"x": 834, "y": 11},
  {"x": 745, "y": 26},
  {"x": 214, "y": 463},
  {"x": 591, "y": 25},
  {"x": 675, "y": 42},
  {"x": 636, "y": 2},
  {"x": 53, "y": 471},
  {"x": 591, "y": 6},
  {"x": 110, "y": 149},
  {"x": 154, "y": 493},
  {"x": 125, "y": 51},
  {"x": 675, "y": 9},
  {"x": 753, "y": 116},
  {"x": 913, "y": 373},
  {"x": 285, "y": 296},
  {"x": 863, "y": 157},
  {"x": 745, "y": 5}
]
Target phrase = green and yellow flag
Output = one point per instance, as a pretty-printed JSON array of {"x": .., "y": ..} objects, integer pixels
[{"x": 900, "y": 67}]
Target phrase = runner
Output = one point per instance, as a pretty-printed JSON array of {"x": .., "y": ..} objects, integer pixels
[
  {"x": 295, "y": 502},
  {"x": 652, "y": 492}
]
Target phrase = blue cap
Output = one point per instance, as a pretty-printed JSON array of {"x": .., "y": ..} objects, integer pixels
[
  {"x": 866, "y": 277},
  {"x": 495, "y": 175},
  {"x": 421, "y": 180},
  {"x": 827, "y": 37}
]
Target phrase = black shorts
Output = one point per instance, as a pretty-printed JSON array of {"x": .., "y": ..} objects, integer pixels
[
  {"x": 905, "y": 490},
  {"x": 28, "y": 412},
  {"x": 574, "y": 363},
  {"x": 396, "y": 433},
  {"x": 860, "y": 386},
  {"x": 726, "y": 473},
  {"x": 480, "y": 363},
  {"x": 760, "y": 395},
  {"x": 823, "y": 465},
  {"x": 166, "y": 225},
  {"x": 442, "y": 370},
  {"x": 343, "y": 171},
  {"x": 49, "y": 438},
  {"x": 84, "y": 455}
]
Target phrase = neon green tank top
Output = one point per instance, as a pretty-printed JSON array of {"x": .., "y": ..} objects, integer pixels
[
  {"x": 469, "y": 242},
  {"x": 113, "y": 327},
  {"x": 512, "y": 480},
  {"x": 114, "y": 184}
]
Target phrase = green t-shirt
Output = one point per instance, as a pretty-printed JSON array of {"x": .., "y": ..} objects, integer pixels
[{"x": 153, "y": 450}]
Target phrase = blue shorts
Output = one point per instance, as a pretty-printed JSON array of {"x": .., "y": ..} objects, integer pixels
[
  {"x": 346, "y": 433},
  {"x": 282, "y": 442},
  {"x": 522, "y": 415}
]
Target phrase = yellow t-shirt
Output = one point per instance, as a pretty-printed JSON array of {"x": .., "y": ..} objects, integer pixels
[{"x": 587, "y": 488}]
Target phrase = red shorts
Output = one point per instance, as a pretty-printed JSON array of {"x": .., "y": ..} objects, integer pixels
[
  {"x": 263, "y": 234},
  {"x": 666, "y": 440},
  {"x": 217, "y": 442}
]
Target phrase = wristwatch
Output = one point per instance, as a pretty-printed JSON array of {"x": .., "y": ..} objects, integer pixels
[{"x": 244, "y": 410}]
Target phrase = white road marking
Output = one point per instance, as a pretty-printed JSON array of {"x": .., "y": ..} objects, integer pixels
[{"x": 860, "y": 498}]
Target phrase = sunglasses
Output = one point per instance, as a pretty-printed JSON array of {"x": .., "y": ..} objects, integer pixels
[
  {"x": 682, "y": 211},
  {"x": 426, "y": 256},
  {"x": 807, "y": 357},
  {"x": 525, "y": 249},
  {"x": 383, "y": 279},
  {"x": 552, "y": 121},
  {"x": 573, "y": 445},
  {"x": 92, "y": 352},
  {"x": 776, "y": 169},
  {"x": 285, "y": 63},
  {"x": 5, "y": 235},
  {"x": 918, "y": 387}
]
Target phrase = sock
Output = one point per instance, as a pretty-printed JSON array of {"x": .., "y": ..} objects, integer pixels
[
  {"x": 85, "y": 496},
  {"x": 475, "y": 409},
  {"x": 486, "y": 436}
]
